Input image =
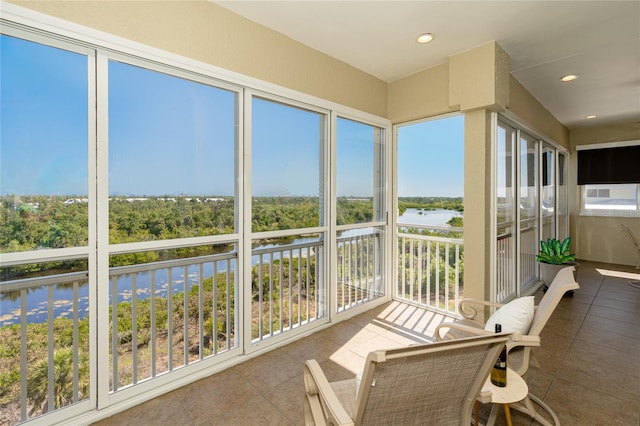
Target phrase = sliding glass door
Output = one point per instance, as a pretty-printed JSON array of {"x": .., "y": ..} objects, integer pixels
[{"x": 531, "y": 204}]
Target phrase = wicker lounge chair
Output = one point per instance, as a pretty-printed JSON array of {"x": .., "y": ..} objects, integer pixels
[
  {"x": 419, "y": 385},
  {"x": 519, "y": 351}
]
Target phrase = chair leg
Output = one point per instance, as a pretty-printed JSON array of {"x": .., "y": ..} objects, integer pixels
[
  {"x": 493, "y": 414},
  {"x": 527, "y": 407}
]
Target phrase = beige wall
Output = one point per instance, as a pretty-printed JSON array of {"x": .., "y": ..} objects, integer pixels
[
  {"x": 602, "y": 239},
  {"x": 477, "y": 204},
  {"x": 420, "y": 95},
  {"x": 206, "y": 32},
  {"x": 535, "y": 116}
]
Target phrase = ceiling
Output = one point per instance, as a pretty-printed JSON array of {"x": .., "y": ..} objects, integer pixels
[{"x": 597, "y": 40}]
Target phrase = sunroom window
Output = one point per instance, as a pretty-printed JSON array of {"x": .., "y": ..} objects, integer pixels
[{"x": 609, "y": 179}]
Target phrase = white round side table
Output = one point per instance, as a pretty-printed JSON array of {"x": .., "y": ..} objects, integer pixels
[{"x": 516, "y": 390}]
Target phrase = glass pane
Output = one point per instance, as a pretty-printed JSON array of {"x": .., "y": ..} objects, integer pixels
[
  {"x": 563, "y": 197},
  {"x": 548, "y": 192},
  {"x": 44, "y": 321},
  {"x": 611, "y": 197},
  {"x": 505, "y": 169},
  {"x": 359, "y": 172},
  {"x": 505, "y": 215},
  {"x": 529, "y": 238},
  {"x": 43, "y": 141},
  {"x": 172, "y": 146},
  {"x": 286, "y": 146},
  {"x": 430, "y": 257},
  {"x": 431, "y": 173}
]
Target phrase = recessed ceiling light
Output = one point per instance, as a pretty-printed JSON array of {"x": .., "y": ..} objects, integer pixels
[
  {"x": 569, "y": 77},
  {"x": 424, "y": 38},
  {"x": 588, "y": 117}
]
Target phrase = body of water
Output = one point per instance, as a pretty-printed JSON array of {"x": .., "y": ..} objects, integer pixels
[{"x": 438, "y": 217}]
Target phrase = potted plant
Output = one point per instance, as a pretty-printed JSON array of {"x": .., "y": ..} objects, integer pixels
[{"x": 554, "y": 255}]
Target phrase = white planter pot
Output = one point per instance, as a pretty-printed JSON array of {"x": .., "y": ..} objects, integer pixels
[{"x": 548, "y": 272}]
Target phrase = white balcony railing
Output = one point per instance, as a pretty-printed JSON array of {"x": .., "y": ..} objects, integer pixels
[
  {"x": 287, "y": 288},
  {"x": 430, "y": 267},
  {"x": 45, "y": 342},
  {"x": 359, "y": 269},
  {"x": 164, "y": 316},
  {"x": 506, "y": 286},
  {"x": 169, "y": 314}
]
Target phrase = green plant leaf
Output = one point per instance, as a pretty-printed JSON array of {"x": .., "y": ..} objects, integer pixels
[{"x": 555, "y": 252}]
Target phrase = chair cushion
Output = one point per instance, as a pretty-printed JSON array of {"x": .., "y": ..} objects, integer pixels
[{"x": 515, "y": 316}]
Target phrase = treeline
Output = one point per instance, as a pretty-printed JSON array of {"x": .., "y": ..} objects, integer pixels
[{"x": 37, "y": 222}]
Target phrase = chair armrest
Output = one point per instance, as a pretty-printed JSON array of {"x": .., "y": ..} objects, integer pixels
[
  {"x": 321, "y": 397},
  {"x": 468, "y": 311},
  {"x": 464, "y": 329},
  {"x": 523, "y": 340}
]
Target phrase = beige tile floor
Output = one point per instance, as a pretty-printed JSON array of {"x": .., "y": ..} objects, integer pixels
[{"x": 587, "y": 369}]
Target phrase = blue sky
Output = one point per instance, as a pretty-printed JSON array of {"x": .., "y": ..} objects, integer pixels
[
  {"x": 168, "y": 136},
  {"x": 431, "y": 158},
  {"x": 172, "y": 136},
  {"x": 43, "y": 134}
]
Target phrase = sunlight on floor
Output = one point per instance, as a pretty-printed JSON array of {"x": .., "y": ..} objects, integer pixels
[{"x": 618, "y": 274}]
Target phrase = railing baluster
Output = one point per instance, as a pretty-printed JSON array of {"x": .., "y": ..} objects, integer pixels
[
  {"x": 51, "y": 347},
  {"x": 214, "y": 311},
  {"x": 134, "y": 327},
  {"x": 341, "y": 281},
  {"x": 76, "y": 319},
  {"x": 200, "y": 310},
  {"x": 403, "y": 262},
  {"x": 152, "y": 314},
  {"x": 411, "y": 270},
  {"x": 437, "y": 288},
  {"x": 291, "y": 289},
  {"x": 429, "y": 273},
  {"x": 281, "y": 291},
  {"x": 420, "y": 243},
  {"x": 228, "y": 305},
  {"x": 185, "y": 315},
  {"x": 308, "y": 292},
  {"x": 299, "y": 285},
  {"x": 114, "y": 333},
  {"x": 367, "y": 262},
  {"x": 360, "y": 262},
  {"x": 23, "y": 354},
  {"x": 170, "y": 318},
  {"x": 260, "y": 290},
  {"x": 271, "y": 293},
  {"x": 457, "y": 289},
  {"x": 446, "y": 276}
]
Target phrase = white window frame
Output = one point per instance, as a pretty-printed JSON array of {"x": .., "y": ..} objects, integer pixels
[{"x": 584, "y": 211}]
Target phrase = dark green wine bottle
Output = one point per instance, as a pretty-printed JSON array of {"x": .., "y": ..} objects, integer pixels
[{"x": 499, "y": 370}]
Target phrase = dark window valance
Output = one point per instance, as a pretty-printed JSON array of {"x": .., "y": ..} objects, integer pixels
[{"x": 609, "y": 165}]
